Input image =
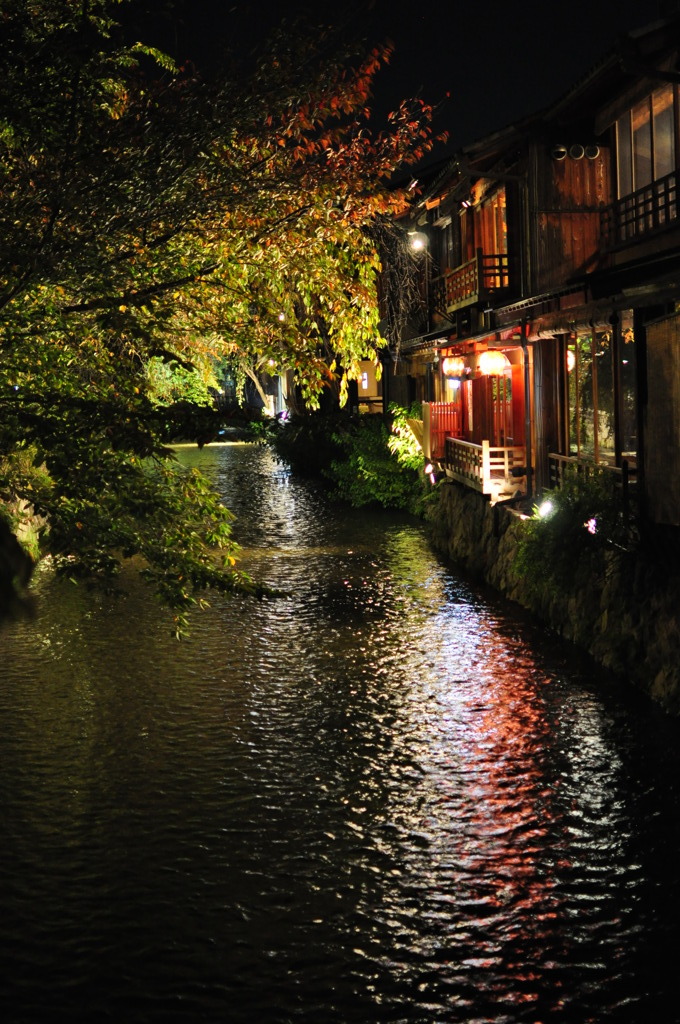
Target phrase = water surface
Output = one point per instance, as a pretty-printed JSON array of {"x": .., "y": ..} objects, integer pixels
[{"x": 384, "y": 796}]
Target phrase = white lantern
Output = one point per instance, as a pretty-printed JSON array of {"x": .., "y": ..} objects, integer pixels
[{"x": 493, "y": 363}]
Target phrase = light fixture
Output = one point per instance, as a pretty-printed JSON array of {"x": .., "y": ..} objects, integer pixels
[
  {"x": 571, "y": 359},
  {"x": 417, "y": 240},
  {"x": 545, "y": 509},
  {"x": 453, "y": 366},
  {"x": 493, "y": 363}
]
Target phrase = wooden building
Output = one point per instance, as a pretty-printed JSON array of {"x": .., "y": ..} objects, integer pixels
[{"x": 551, "y": 332}]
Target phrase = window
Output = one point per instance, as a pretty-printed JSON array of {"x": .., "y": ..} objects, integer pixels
[
  {"x": 663, "y": 131},
  {"x": 645, "y": 141},
  {"x": 591, "y": 371},
  {"x": 492, "y": 228}
]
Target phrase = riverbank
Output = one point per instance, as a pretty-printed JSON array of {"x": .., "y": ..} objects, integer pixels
[{"x": 620, "y": 606}]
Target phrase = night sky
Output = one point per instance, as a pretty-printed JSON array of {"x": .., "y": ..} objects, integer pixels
[{"x": 496, "y": 61}]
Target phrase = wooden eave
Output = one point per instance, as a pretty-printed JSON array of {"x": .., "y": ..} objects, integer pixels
[
  {"x": 627, "y": 68},
  {"x": 656, "y": 275},
  {"x": 634, "y": 92},
  {"x": 655, "y": 43}
]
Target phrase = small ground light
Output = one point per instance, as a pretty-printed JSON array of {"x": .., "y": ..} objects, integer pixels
[
  {"x": 591, "y": 525},
  {"x": 545, "y": 508}
]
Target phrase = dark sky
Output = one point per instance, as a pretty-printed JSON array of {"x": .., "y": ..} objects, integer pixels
[{"x": 497, "y": 61}]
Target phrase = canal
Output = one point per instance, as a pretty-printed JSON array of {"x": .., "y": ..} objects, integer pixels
[{"x": 383, "y": 796}]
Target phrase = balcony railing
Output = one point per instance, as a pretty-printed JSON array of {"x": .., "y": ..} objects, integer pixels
[
  {"x": 477, "y": 279},
  {"x": 624, "y": 476},
  {"x": 440, "y": 420},
  {"x": 648, "y": 209},
  {"x": 498, "y": 472}
]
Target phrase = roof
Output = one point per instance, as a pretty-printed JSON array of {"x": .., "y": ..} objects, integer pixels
[{"x": 644, "y": 54}]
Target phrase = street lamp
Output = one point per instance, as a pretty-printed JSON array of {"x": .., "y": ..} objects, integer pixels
[{"x": 418, "y": 241}]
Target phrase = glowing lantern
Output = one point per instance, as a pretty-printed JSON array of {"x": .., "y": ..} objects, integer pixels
[
  {"x": 571, "y": 359},
  {"x": 453, "y": 366},
  {"x": 493, "y": 363},
  {"x": 417, "y": 241}
]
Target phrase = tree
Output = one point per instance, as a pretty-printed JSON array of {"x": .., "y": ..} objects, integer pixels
[{"x": 148, "y": 214}]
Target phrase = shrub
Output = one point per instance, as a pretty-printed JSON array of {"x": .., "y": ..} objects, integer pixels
[
  {"x": 366, "y": 459},
  {"x": 401, "y": 441},
  {"x": 380, "y": 463},
  {"x": 569, "y": 529}
]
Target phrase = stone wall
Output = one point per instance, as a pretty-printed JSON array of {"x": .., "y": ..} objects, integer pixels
[
  {"x": 16, "y": 568},
  {"x": 621, "y": 607}
]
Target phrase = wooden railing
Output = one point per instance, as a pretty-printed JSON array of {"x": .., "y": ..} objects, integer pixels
[
  {"x": 476, "y": 279},
  {"x": 497, "y": 471},
  {"x": 625, "y": 475},
  {"x": 648, "y": 209},
  {"x": 440, "y": 420}
]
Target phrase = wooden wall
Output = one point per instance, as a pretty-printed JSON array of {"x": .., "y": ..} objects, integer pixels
[
  {"x": 662, "y": 422},
  {"x": 565, "y": 213}
]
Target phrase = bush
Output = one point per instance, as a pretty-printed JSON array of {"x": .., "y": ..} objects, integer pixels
[
  {"x": 568, "y": 531},
  {"x": 402, "y": 442},
  {"x": 366, "y": 459},
  {"x": 381, "y": 463}
]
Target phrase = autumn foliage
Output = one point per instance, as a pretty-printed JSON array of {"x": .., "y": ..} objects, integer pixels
[{"x": 147, "y": 213}]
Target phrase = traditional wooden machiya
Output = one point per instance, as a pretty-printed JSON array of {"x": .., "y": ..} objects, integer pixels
[{"x": 554, "y": 249}]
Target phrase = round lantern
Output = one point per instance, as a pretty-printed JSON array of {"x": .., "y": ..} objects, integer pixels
[
  {"x": 453, "y": 366},
  {"x": 418, "y": 241},
  {"x": 571, "y": 359},
  {"x": 493, "y": 363}
]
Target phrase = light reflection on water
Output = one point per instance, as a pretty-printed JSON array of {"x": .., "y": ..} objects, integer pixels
[{"x": 381, "y": 797}]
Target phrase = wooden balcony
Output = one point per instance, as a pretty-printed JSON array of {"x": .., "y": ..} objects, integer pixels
[
  {"x": 440, "y": 420},
  {"x": 498, "y": 472},
  {"x": 649, "y": 209},
  {"x": 478, "y": 279}
]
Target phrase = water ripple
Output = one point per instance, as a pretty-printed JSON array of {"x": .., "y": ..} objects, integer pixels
[{"x": 383, "y": 797}]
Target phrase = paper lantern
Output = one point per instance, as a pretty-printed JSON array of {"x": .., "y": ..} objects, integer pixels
[
  {"x": 453, "y": 366},
  {"x": 493, "y": 363}
]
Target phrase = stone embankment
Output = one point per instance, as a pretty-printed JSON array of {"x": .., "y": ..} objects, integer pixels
[
  {"x": 623, "y": 609},
  {"x": 16, "y": 568}
]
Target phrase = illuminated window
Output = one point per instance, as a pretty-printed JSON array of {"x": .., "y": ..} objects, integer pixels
[
  {"x": 493, "y": 235},
  {"x": 592, "y": 394},
  {"x": 645, "y": 141}
]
